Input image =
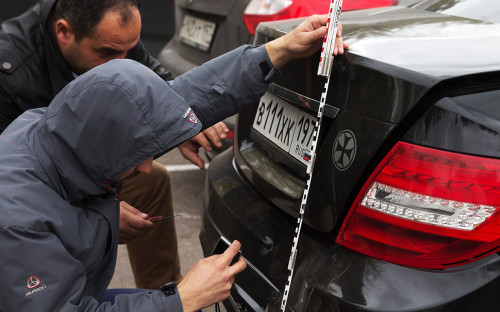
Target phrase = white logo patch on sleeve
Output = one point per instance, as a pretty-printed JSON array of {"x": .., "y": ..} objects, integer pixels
[{"x": 192, "y": 116}]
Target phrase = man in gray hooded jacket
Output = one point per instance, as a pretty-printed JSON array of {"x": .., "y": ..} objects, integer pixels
[
  {"x": 41, "y": 51},
  {"x": 59, "y": 168}
]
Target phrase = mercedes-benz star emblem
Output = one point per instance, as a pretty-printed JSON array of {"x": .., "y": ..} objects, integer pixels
[
  {"x": 344, "y": 150},
  {"x": 33, "y": 281}
]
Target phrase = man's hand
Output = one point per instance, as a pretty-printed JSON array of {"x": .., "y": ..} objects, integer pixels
[
  {"x": 214, "y": 134},
  {"x": 340, "y": 45},
  {"x": 303, "y": 41},
  {"x": 210, "y": 279},
  {"x": 132, "y": 223}
]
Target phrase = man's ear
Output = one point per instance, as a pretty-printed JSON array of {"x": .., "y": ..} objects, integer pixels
[{"x": 63, "y": 32}]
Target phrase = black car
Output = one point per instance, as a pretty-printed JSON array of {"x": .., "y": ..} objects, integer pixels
[
  {"x": 403, "y": 211},
  {"x": 208, "y": 28}
]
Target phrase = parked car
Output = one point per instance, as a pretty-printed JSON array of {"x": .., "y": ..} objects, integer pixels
[
  {"x": 403, "y": 208},
  {"x": 209, "y": 28}
]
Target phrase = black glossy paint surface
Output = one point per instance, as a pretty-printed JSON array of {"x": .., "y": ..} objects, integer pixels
[{"x": 411, "y": 75}]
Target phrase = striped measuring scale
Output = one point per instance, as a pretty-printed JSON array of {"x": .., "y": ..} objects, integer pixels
[{"x": 324, "y": 69}]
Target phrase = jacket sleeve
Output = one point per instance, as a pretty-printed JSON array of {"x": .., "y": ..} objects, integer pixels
[
  {"x": 8, "y": 108},
  {"x": 141, "y": 55},
  {"x": 225, "y": 85},
  {"x": 39, "y": 274}
]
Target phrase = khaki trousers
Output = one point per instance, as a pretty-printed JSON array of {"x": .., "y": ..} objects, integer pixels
[{"x": 153, "y": 256}]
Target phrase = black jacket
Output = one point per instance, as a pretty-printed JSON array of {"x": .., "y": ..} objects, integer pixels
[{"x": 32, "y": 68}]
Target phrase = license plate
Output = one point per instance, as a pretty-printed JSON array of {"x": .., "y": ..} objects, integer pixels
[
  {"x": 287, "y": 126},
  {"x": 197, "y": 32}
]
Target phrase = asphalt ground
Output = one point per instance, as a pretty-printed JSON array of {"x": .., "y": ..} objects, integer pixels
[{"x": 187, "y": 191}]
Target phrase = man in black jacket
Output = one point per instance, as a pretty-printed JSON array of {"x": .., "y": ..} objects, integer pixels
[{"x": 42, "y": 51}]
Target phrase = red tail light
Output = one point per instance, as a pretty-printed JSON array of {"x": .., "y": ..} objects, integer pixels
[
  {"x": 272, "y": 10},
  {"x": 427, "y": 208}
]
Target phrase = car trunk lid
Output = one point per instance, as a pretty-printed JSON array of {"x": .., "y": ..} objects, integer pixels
[{"x": 362, "y": 115}]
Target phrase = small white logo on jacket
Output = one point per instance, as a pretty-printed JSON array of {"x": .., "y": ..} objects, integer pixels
[
  {"x": 33, "y": 282},
  {"x": 192, "y": 116}
]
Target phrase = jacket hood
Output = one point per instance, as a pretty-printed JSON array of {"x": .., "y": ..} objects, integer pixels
[{"x": 107, "y": 121}]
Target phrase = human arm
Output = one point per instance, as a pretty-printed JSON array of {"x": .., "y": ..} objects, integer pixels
[
  {"x": 214, "y": 134},
  {"x": 223, "y": 86},
  {"x": 303, "y": 41},
  {"x": 133, "y": 223},
  {"x": 190, "y": 148},
  {"x": 210, "y": 279}
]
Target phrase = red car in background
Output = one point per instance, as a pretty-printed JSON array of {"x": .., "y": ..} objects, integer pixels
[{"x": 267, "y": 10}]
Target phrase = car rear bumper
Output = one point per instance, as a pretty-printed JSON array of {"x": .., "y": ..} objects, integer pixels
[{"x": 327, "y": 276}]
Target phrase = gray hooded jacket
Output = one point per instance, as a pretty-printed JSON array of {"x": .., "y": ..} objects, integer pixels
[{"x": 58, "y": 215}]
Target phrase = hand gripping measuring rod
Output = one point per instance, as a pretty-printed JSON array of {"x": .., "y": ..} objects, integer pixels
[{"x": 324, "y": 69}]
